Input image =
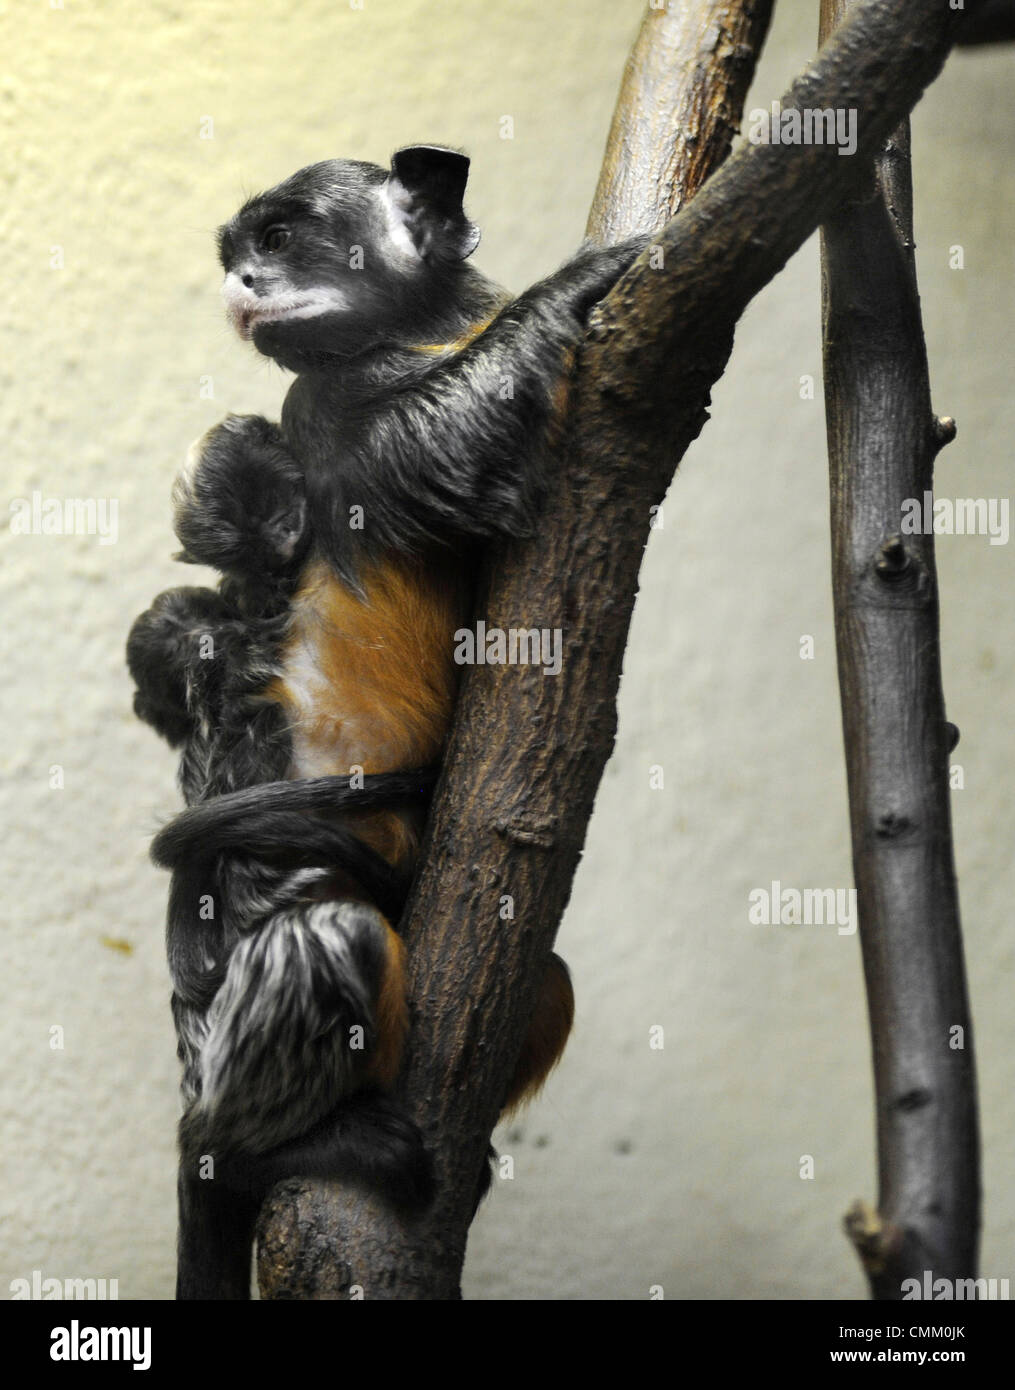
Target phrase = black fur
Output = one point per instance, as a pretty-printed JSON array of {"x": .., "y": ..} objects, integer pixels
[
  {"x": 225, "y": 822},
  {"x": 264, "y": 486},
  {"x": 429, "y": 429},
  {"x": 366, "y": 1137},
  {"x": 437, "y": 448}
]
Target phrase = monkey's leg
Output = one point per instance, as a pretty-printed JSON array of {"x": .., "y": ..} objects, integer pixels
[
  {"x": 548, "y": 1033},
  {"x": 297, "y": 1025},
  {"x": 366, "y": 1139},
  {"x": 310, "y": 1018},
  {"x": 364, "y": 1135},
  {"x": 541, "y": 1051}
]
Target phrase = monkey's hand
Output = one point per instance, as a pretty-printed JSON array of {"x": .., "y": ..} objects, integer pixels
[
  {"x": 240, "y": 503},
  {"x": 586, "y": 279}
]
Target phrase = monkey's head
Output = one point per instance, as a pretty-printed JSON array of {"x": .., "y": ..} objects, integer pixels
[{"x": 345, "y": 256}]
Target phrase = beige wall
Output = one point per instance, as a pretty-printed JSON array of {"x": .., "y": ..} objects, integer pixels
[{"x": 638, "y": 1167}]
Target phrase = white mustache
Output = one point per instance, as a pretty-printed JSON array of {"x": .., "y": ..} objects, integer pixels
[{"x": 246, "y": 309}]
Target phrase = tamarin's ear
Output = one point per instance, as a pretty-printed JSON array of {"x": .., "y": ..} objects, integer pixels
[{"x": 426, "y": 187}]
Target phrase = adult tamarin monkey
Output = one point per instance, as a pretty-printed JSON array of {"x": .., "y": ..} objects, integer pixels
[{"x": 347, "y": 536}]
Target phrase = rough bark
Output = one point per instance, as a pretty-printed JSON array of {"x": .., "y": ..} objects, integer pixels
[
  {"x": 527, "y": 751},
  {"x": 677, "y": 112},
  {"x": 882, "y": 442}
]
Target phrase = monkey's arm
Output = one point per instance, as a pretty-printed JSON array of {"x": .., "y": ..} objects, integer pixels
[{"x": 454, "y": 453}]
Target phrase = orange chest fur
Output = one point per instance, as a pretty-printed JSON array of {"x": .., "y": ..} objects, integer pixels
[{"x": 369, "y": 681}]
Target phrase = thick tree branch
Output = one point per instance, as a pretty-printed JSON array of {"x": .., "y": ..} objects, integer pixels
[
  {"x": 882, "y": 442},
  {"x": 527, "y": 751}
]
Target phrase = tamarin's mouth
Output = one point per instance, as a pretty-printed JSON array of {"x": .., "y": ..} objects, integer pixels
[
  {"x": 248, "y": 317},
  {"x": 247, "y": 314}
]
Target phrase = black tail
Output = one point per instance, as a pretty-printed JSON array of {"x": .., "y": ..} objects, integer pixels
[
  {"x": 226, "y": 822},
  {"x": 276, "y": 822}
]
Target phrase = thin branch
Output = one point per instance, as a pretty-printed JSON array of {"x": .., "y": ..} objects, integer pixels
[
  {"x": 882, "y": 442},
  {"x": 527, "y": 751}
]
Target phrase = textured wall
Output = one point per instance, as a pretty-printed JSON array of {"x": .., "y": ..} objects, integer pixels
[{"x": 676, "y": 1167}]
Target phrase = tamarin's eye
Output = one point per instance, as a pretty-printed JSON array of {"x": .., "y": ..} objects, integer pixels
[{"x": 276, "y": 237}]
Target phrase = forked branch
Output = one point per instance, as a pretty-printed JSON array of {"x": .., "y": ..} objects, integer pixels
[{"x": 527, "y": 752}]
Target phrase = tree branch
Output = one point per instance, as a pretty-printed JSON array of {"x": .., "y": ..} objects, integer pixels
[
  {"x": 527, "y": 751},
  {"x": 882, "y": 442},
  {"x": 677, "y": 112}
]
